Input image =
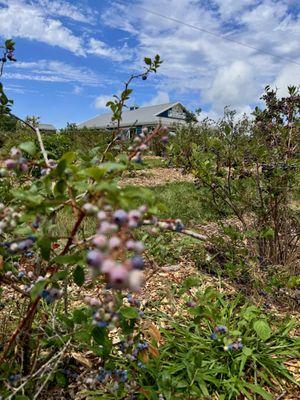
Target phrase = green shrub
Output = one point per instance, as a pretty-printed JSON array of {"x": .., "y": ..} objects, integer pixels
[{"x": 244, "y": 360}]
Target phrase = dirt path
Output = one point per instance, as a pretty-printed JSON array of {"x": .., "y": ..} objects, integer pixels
[{"x": 155, "y": 177}]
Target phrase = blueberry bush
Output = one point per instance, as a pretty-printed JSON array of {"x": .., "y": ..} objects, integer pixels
[{"x": 55, "y": 338}]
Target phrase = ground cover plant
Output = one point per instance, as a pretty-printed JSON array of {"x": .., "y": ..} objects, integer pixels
[{"x": 73, "y": 262}]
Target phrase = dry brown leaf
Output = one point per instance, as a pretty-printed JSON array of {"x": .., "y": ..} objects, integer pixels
[
  {"x": 82, "y": 360},
  {"x": 1, "y": 262},
  {"x": 153, "y": 351},
  {"x": 144, "y": 355},
  {"x": 154, "y": 333}
]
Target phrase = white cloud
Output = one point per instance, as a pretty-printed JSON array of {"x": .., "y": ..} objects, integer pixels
[
  {"x": 37, "y": 21},
  {"x": 160, "y": 98},
  {"x": 18, "y": 19},
  {"x": 100, "y": 102},
  {"x": 233, "y": 86},
  {"x": 99, "y": 48},
  {"x": 77, "y": 89},
  {"x": 52, "y": 71},
  {"x": 66, "y": 9},
  {"x": 220, "y": 72},
  {"x": 289, "y": 75}
]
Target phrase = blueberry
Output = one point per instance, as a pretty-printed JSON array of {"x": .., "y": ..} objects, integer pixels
[
  {"x": 214, "y": 336},
  {"x": 221, "y": 329},
  {"x": 102, "y": 324},
  {"x": 95, "y": 258},
  {"x": 137, "y": 262},
  {"x": 120, "y": 217}
]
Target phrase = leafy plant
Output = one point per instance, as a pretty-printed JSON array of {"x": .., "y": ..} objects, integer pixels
[{"x": 230, "y": 350}]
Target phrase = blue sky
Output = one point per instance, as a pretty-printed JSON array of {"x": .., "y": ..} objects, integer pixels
[{"x": 73, "y": 55}]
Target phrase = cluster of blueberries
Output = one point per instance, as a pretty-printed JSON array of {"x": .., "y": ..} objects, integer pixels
[
  {"x": 8, "y": 219},
  {"x": 104, "y": 314},
  {"x": 52, "y": 294},
  {"x": 111, "y": 244},
  {"x": 22, "y": 246},
  {"x": 119, "y": 375},
  {"x": 131, "y": 352},
  {"x": 17, "y": 161},
  {"x": 221, "y": 329},
  {"x": 139, "y": 146}
]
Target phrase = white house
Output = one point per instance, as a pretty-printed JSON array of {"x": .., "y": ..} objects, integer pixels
[{"x": 134, "y": 119}]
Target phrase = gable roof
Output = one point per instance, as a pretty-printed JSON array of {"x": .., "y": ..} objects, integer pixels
[
  {"x": 139, "y": 116},
  {"x": 47, "y": 127}
]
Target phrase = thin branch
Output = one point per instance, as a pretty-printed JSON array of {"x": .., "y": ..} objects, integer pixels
[
  {"x": 39, "y": 136},
  {"x": 60, "y": 355},
  {"x": 167, "y": 226}
]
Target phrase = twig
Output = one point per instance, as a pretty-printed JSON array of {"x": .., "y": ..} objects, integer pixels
[
  {"x": 34, "y": 305},
  {"x": 43, "y": 367},
  {"x": 167, "y": 226},
  {"x": 39, "y": 136},
  {"x": 19, "y": 328},
  {"x": 60, "y": 355},
  {"x": 15, "y": 287},
  {"x": 281, "y": 396}
]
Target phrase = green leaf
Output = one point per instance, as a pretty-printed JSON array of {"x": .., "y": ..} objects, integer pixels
[
  {"x": 45, "y": 246},
  {"x": 78, "y": 275},
  {"x": 262, "y": 329},
  {"x": 148, "y": 60},
  {"x": 258, "y": 390},
  {"x": 99, "y": 334},
  {"x": 28, "y": 147},
  {"x": 129, "y": 312},
  {"x": 37, "y": 289},
  {"x": 247, "y": 351},
  {"x": 61, "y": 379},
  {"x": 60, "y": 187},
  {"x": 79, "y": 316},
  {"x": 68, "y": 259}
]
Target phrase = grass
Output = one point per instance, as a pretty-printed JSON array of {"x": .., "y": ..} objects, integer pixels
[{"x": 178, "y": 200}]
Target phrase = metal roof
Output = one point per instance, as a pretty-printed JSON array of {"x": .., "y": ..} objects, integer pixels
[
  {"x": 47, "y": 127},
  {"x": 139, "y": 116}
]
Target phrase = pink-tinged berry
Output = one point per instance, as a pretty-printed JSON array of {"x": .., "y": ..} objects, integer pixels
[
  {"x": 130, "y": 244},
  {"x": 114, "y": 243},
  {"x": 87, "y": 300},
  {"x": 11, "y": 164},
  {"x": 95, "y": 258},
  {"x": 136, "y": 246},
  {"x": 145, "y": 131},
  {"x": 107, "y": 266},
  {"x": 94, "y": 302},
  {"x": 15, "y": 152},
  {"x": 165, "y": 139},
  {"x": 134, "y": 214},
  {"x": 143, "y": 147},
  {"x": 118, "y": 276},
  {"x": 135, "y": 280},
  {"x": 100, "y": 241},
  {"x": 107, "y": 227},
  {"x": 102, "y": 216},
  {"x": 143, "y": 209},
  {"x": 191, "y": 304}
]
